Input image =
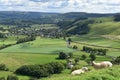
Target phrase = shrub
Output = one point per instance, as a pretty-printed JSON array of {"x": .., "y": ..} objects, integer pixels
[
  {"x": 83, "y": 57},
  {"x": 39, "y": 71},
  {"x": 75, "y": 68},
  {"x": 70, "y": 55},
  {"x": 57, "y": 67},
  {"x": 3, "y": 67},
  {"x": 62, "y": 55},
  {"x": 101, "y": 52},
  {"x": 12, "y": 77},
  {"x": 92, "y": 57},
  {"x": 88, "y": 60},
  {"x": 116, "y": 60},
  {"x": 76, "y": 60},
  {"x": 27, "y": 39},
  {"x": 75, "y": 47}
]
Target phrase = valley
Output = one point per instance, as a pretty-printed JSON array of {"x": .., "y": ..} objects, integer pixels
[{"x": 39, "y": 41}]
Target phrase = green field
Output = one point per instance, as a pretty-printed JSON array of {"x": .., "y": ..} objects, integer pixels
[
  {"x": 40, "y": 51},
  {"x": 99, "y": 42},
  {"x": 104, "y": 74},
  {"x": 40, "y": 45},
  {"x": 104, "y": 34},
  {"x": 14, "y": 60}
]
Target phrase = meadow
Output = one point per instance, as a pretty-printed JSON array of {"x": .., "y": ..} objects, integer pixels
[
  {"x": 113, "y": 45},
  {"x": 40, "y": 45},
  {"x": 45, "y": 50}
]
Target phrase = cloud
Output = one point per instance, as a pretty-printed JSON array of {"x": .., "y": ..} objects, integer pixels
[{"x": 91, "y": 6}]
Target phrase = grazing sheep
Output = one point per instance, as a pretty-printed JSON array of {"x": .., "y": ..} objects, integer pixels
[
  {"x": 79, "y": 71},
  {"x": 100, "y": 65},
  {"x": 70, "y": 64}
]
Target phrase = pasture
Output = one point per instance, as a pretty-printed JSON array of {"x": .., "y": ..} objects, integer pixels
[
  {"x": 40, "y": 45},
  {"x": 45, "y": 50},
  {"x": 112, "y": 43},
  {"x": 104, "y": 74}
]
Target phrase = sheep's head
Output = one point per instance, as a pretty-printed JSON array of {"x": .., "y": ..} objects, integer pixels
[
  {"x": 85, "y": 69},
  {"x": 92, "y": 63}
]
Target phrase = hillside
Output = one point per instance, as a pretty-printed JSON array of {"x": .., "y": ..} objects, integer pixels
[
  {"x": 16, "y": 18},
  {"x": 104, "y": 74},
  {"x": 96, "y": 26}
]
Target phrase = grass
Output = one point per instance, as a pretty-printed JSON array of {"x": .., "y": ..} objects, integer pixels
[
  {"x": 6, "y": 73},
  {"x": 104, "y": 28},
  {"x": 10, "y": 40},
  {"x": 99, "y": 42},
  {"x": 103, "y": 74},
  {"x": 40, "y": 51},
  {"x": 44, "y": 50},
  {"x": 40, "y": 45},
  {"x": 15, "y": 60}
]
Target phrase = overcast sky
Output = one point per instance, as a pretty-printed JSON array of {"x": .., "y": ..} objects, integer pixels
[{"x": 62, "y": 6}]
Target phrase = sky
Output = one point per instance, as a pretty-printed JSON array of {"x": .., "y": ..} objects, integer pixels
[{"x": 61, "y": 6}]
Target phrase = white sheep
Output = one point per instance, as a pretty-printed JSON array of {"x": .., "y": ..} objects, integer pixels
[
  {"x": 100, "y": 65},
  {"x": 79, "y": 71}
]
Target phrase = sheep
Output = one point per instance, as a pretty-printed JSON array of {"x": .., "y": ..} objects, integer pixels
[
  {"x": 100, "y": 65},
  {"x": 79, "y": 71},
  {"x": 69, "y": 64}
]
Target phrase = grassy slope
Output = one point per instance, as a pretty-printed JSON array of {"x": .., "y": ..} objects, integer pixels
[
  {"x": 40, "y": 45},
  {"x": 10, "y": 40},
  {"x": 104, "y": 74},
  {"x": 29, "y": 53},
  {"x": 101, "y": 26},
  {"x": 104, "y": 32},
  {"x": 107, "y": 26},
  {"x": 98, "y": 42},
  {"x": 14, "y": 60}
]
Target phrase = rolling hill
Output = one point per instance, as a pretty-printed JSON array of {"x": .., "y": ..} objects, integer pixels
[
  {"x": 15, "y": 18},
  {"x": 96, "y": 26}
]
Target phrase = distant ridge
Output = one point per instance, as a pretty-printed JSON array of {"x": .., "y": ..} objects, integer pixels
[{"x": 10, "y": 17}]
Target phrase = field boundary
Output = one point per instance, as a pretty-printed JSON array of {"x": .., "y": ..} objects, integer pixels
[{"x": 95, "y": 45}]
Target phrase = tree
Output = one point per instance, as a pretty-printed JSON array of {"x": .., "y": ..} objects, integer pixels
[
  {"x": 88, "y": 61},
  {"x": 116, "y": 60},
  {"x": 62, "y": 55},
  {"x": 70, "y": 55},
  {"x": 69, "y": 41},
  {"x": 76, "y": 60},
  {"x": 92, "y": 57},
  {"x": 3, "y": 67},
  {"x": 75, "y": 47},
  {"x": 83, "y": 57},
  {"x": 2, "y": 35}
]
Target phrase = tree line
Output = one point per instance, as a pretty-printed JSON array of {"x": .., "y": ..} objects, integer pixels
[
  {"x": 29, "y": 38},
  {"x": 5, "y": 46},
  {"x": 101, "y": 52}
]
